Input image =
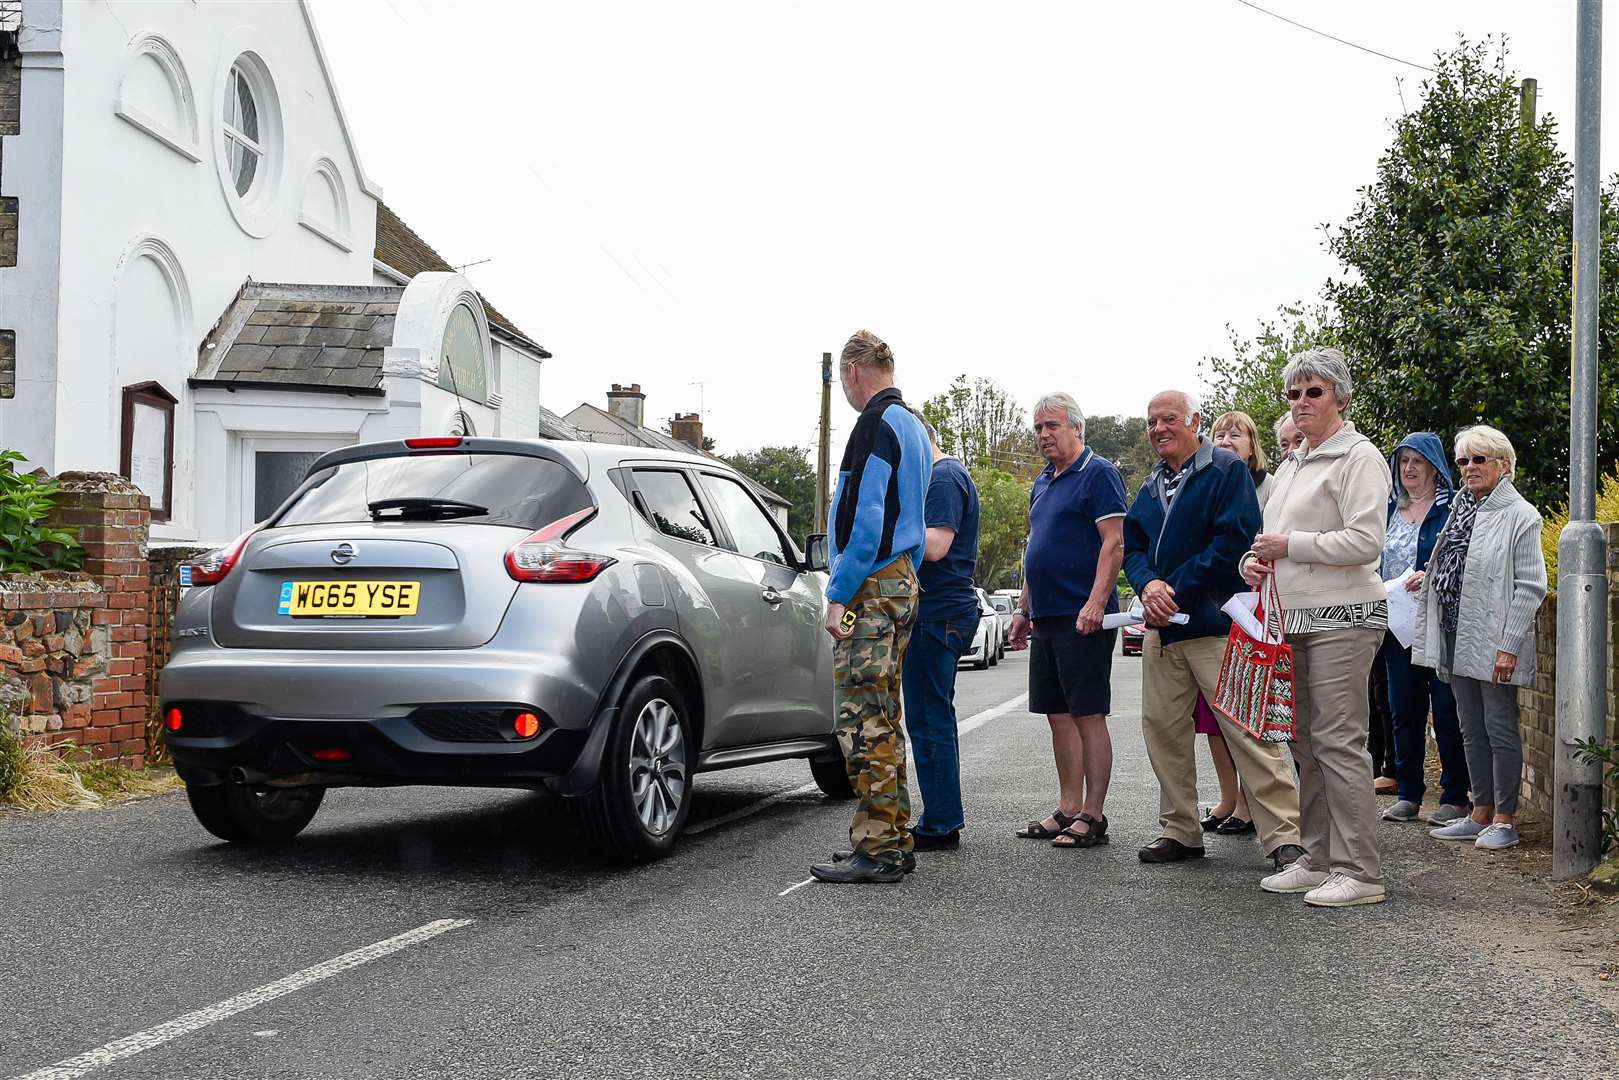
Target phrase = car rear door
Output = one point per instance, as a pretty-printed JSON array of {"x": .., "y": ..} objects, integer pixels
[{"x": 797, "y": 700}]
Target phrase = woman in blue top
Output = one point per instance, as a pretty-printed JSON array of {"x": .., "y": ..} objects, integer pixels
[{"x": 1417, "y": 513}]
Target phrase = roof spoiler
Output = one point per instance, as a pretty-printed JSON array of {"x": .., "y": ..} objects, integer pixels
[{"x": 571, "y": 459}]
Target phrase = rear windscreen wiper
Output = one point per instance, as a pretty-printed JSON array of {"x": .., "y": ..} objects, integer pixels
[{"x": 424, "y": 507}]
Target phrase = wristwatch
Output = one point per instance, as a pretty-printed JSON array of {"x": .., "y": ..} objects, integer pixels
[{"x": 1023, "y": 611}]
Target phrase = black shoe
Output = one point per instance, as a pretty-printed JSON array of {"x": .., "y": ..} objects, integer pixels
[
  {"x": 1286, "y": 855},
  {"x": 1212, "y": 821},
  {"x": 907, "y": 864},
  {"x": 859, "y": 869},
  {"x": 950, "y": 841},
  {"x": 1235, "y": 826},
  {"x": 1165, "y": 849}
]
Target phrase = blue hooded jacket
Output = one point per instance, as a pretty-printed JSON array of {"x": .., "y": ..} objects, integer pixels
[{"x": 1428, "y": 445}]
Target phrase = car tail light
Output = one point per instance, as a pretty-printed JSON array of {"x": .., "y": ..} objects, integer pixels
[
  {"x": 543, "y": 556},
  {"x": 335, "y": 753},
  {"x": 212, "y": 567},
  {"x": 526, "y": 725},
  {"x": 434, "y": 442},
  {"x": 173, "y": 719}
]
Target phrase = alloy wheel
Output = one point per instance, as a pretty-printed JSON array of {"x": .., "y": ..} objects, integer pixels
[{"x": 657, "y": 766}]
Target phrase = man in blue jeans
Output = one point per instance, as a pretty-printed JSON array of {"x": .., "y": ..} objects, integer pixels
[{"x": 946, "y": 621}]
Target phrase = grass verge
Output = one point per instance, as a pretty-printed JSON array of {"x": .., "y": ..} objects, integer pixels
[{"x": 67, "y": 777}]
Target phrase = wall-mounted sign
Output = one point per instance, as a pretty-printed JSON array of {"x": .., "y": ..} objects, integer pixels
[{"x": 147, "y": 457}]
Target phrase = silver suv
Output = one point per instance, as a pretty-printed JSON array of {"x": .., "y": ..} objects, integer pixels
[{"x": 599, "y": 622}]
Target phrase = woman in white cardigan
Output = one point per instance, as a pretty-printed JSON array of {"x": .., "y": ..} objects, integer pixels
[{"x": 1484, "y": 583}]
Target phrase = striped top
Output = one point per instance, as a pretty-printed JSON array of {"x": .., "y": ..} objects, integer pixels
[{"x": 1373, "y": 616}]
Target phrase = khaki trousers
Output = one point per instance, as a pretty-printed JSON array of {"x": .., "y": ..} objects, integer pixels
[
  {"x": 1332, "y": 712},
  {"x": 1171, "y": 677}
]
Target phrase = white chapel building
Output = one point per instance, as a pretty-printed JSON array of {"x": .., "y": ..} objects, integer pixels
[{"x": 200, "y": 286}]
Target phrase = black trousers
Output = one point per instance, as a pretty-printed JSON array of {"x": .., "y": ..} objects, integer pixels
[{"x": 1380, "y": 736}]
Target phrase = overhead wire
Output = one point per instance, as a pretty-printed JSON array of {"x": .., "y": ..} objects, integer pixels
[{"x": 1332, "y": 37}]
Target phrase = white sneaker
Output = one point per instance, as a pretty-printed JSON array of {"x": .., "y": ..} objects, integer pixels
[
  {"x": 1496, "y": 837},
  {"x": 1295, "y": 877},
  {"x": 1460, "y": 829},
  {"x": 1342, "y": 890}
]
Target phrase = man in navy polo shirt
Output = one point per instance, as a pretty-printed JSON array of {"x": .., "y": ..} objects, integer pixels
[
  {"x": 1070, "y": 570},
  {"x": 946, "y": 621}
]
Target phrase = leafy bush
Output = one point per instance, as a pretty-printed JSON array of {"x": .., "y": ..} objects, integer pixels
[
  {"x": 1607, "y": 510},
  {"x": 1607, "y": 755},
  {"x": 12, "y": 759},
  {"x": 27, "y": 544}
]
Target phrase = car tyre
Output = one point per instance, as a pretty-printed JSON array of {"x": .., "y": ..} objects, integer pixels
[
  {"x": 832, "y": 777},
  {"x": 243, "y": 814},
  {"x": 641, "y": 803}
]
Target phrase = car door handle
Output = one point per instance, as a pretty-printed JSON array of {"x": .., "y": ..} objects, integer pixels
[{"x": 771, "y": 596}]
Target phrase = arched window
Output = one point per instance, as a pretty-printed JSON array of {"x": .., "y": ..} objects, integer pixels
[{"x": 461, "y": 362}]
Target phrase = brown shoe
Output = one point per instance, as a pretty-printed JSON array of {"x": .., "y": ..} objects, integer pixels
[{"x": 1386, "y": 785}]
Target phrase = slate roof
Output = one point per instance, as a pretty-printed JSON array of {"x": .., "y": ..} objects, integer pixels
[
  {"x": 401, "y": 249},
  {"x": 553, "y": 426},
  {"x": 324, "y": 337}
]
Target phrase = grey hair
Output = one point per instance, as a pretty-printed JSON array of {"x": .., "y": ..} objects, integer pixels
[
  {"x": 1326, "y": 364},
  {"x": 1065, "y": 403},
  {"x": 1276, "y": 428},
  {"x": 1483, "y": 439},
  {"x": 1189, "y": 402}
]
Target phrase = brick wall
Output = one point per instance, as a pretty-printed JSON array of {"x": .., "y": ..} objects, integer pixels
[
  {"x": 164, "y": 573},
  {"x": 1538, "y": 704},
  {"x": 73, "y": 647}
]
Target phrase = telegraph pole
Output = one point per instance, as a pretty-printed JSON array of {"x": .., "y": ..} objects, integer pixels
[
  {"x": 823, "y": 462},
  {"x": 1582, "y": 581},
  {"x": 1526, "y": 104}
]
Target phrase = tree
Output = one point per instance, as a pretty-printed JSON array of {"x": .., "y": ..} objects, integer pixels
[
  {"x": 1250, "y": 379},
  {"x": 1455, "y": 304},
  {"x": 786, "y": 471},
  {"x": 1123, "y": 441},
  {"x": 1003, "y": 525},
  {"x": 983, "y": 425}
]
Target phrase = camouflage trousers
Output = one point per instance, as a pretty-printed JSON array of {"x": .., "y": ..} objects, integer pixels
[{"x": 866, "y": 667}]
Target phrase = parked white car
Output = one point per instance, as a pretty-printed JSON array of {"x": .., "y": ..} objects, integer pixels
[
  {"x": 1005, "y": 606},
  {"x": 988, "y": 645}
]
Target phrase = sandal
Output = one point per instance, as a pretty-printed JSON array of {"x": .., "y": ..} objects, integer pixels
[
  {"x": 1037, "y": 830},
  {"x": 1095, "y": 836}
]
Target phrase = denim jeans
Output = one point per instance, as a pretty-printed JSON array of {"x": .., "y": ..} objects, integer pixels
[
  {"x": 929, "y": 684},
  {"x": 1411, "y": 690}
]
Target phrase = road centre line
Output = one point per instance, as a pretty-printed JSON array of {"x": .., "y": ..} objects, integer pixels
[
  {"x": 141, "y": 1041},
  {"x": 800, "y": 885}
]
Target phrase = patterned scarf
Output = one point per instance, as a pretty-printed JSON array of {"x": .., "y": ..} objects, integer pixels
[{"x": 1450, "y": 557}]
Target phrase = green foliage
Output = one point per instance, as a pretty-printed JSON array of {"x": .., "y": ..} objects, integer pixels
[
  {"x": 984, "y": 426},
  {"x": 1552, "y": 529},
  {"x": 1455, "y": 304},
  {"x": 12, "y": 758},
  {"x": 1250, "y": 379},
  {"x": 26, "y": 543},
  {"x": 787, "y": 471},
  {"x": 1003, "y": 524},
  {"x": 1606, "y": 755},
  {"x": 1123, "y": 441}
]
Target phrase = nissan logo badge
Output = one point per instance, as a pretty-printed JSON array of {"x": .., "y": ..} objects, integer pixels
[{"x": 344, "y": 553}]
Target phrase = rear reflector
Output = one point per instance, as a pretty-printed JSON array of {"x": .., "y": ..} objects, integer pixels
[
  {"x": 434, "y": 442},
  {"x": 542, "y": 556},
  {"x": 212, "y": 567},
  {"x": 173, "y": 719},
  {"x": 331, "y": 754},
  {"x": 526, "y": 725}
]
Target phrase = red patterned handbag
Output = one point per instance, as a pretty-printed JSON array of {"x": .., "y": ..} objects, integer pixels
[{"x": 1256, "y": 676}]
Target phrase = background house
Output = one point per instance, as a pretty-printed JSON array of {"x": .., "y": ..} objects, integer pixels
[{"x": 183, "y": 167}]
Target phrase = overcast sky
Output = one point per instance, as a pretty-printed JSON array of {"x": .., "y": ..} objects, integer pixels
[{"x": 1074, "y": 195}]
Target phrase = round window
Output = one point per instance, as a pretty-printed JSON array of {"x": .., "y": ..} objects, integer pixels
[{"x": 242, "y": 143}]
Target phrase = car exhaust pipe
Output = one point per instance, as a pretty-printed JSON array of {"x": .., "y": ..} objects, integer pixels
[{"x": 239, "y": 775}]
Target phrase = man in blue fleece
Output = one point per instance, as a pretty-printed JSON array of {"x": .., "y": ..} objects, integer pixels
[
  {"x": 875, "y": 547},
  {"x": 1191, "y": 522}
]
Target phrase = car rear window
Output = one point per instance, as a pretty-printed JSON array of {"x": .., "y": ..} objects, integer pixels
[{"x": 480, "y": 489}]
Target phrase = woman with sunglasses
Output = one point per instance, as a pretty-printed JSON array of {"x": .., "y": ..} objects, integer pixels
[
  {"x": 1485, "y": 581},
  {"x": 1323, "y": 541}
]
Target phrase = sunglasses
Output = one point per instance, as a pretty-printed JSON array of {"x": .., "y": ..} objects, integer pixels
[
  {"x": 1311, "y": 392},
  {"x": 1476, "y": 459}
]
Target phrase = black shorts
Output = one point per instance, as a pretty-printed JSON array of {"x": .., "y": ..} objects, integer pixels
[{"x": 1070, "y": 672}]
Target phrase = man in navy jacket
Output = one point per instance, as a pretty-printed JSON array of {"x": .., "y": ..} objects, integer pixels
[{"x": 1194, "y": 517}]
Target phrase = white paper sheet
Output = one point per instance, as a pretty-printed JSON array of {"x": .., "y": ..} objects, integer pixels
[
  {"x": 1403, "y": 606},
  {"x": 1137, "y": 615},
  {"x": 1241, "y": 608}
]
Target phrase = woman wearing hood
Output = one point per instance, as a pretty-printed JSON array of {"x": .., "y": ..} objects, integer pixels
[
  {"x": 1484, "y": 584},
  {"x": 1417, "y": 513}
]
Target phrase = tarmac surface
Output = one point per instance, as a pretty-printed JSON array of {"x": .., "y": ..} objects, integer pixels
[{"x": 138, "y": 946}]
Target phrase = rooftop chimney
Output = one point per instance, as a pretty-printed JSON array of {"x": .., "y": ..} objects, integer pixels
[
  {"x": 627, "y": 403},
  {"x": 687, "y": 429}
]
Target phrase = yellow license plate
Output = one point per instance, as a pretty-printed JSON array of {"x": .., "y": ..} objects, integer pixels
[{"x": 333, "y": 599}]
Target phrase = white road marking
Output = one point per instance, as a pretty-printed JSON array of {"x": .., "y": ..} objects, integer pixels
[
  {"x": 979, "y": 719},
  {"x": 750, "y": 809},
  {"x": 142, "y": 1041},
  {"x": 800, "y": 885}
]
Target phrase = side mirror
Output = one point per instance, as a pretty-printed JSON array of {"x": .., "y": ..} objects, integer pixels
[{"x": 815, "y": 555}]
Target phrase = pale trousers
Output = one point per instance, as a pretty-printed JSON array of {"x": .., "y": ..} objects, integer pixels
[
  {"x": 1171, "y": 677},
  {"x": 1331, "y": 710}
]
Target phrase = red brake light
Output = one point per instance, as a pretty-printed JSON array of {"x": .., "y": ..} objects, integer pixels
[
  {"x": 526, "y": 725},
  {"x": 542, "y": 556},
  {"x": 332, "y": 754},
  {"x": 173, "y": 719},
  {"x": 434, "y": 442},
  {"x": 212, "y": 567}
]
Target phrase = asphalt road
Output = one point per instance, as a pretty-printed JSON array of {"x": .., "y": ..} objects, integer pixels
[{"x": 1006, "y": 958}]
